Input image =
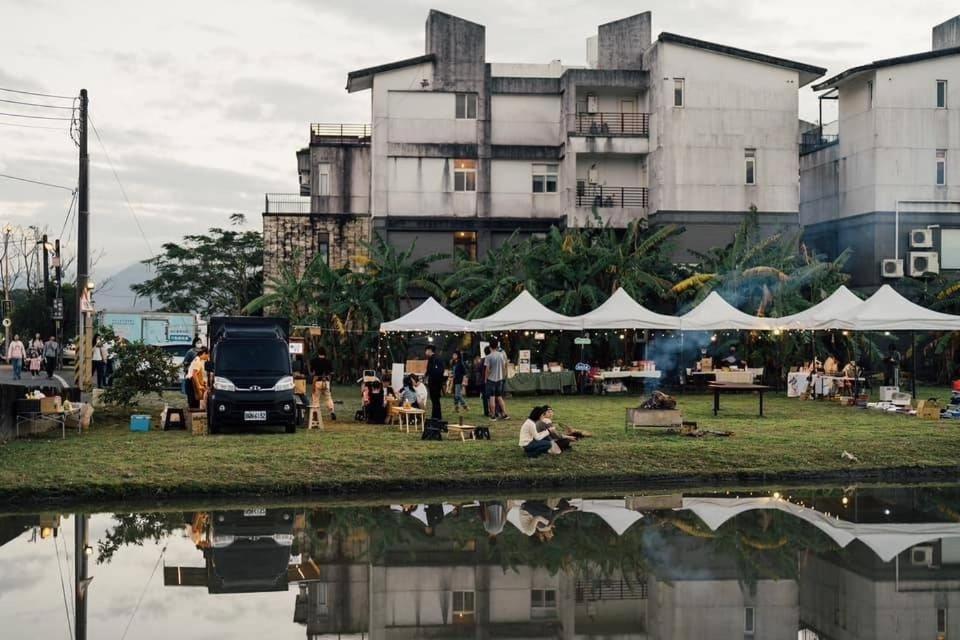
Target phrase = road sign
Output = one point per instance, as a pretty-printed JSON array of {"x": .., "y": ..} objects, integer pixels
[
  {"x": 7, "y": 322},
  {"x": 581, "y": 341},
  {"x": 57, "y": 312}
]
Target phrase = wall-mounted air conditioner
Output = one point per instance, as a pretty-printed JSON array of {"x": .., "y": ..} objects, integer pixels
[
  {"x": 921, "y": 239},
  {"x": 924, "y": 262},
  {"x": 922, "y": 556},
  {"x": 891, "y": 268}
]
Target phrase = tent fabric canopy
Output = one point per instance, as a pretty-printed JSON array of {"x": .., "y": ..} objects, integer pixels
[
  {"x": 827, "y": 314},
  {"x": 429, "y": 316},
  {"x": 887, "y": 310},
  {"x": 716, "y": 314},
  {"x": 621, "y": 311},
  {"x": 526, "y": 313}
]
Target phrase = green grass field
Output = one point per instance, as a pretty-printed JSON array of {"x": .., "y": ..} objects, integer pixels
[{"x": 795, "y": 439}]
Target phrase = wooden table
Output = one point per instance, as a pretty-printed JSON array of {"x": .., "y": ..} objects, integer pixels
[
  {"x": 719, "y": 387},
  {"x": 406, "y": 413},
  {"x": 468, "y": 430}
]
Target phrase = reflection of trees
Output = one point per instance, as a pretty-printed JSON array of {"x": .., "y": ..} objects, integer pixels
[{"x": 134, "y": 528}]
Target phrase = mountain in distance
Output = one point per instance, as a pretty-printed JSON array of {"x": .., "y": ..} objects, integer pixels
[{"x": 115, "y": 293}]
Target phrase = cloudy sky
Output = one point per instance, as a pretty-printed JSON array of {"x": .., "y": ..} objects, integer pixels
[{"x": 201, "y": 105}]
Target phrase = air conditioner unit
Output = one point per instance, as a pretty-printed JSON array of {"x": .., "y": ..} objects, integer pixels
[
  {"x": 924, "y": 262},
  {"x": 891, "y": 268},
  {"x": 921, "y": 239},
  {"x": 922, "y": 556}
]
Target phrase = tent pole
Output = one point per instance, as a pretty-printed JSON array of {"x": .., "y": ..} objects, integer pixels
[{"x": 913, "y": 339}]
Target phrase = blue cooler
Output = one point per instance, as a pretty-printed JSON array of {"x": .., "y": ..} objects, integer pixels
[{"x": 139, "y": 423}]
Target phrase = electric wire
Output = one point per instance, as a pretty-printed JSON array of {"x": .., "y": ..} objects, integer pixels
[
  {"x": 45, "y": 184},
  {"x": 69, "y": 212},
  {"x": 33, "y": 93},
  {"x": 70, "y": 580},
  {"x": 143, "y": 593},
  {"x": 22, "y": 115},
  {"x": 29, "y": 126},
  {"x": 35, "y": 104},
  {"x": 120, "y": 184},
  {"x": 63, "y": 590}
]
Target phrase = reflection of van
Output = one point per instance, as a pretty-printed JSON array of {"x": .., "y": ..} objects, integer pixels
[{"x": 249, "y": 550}]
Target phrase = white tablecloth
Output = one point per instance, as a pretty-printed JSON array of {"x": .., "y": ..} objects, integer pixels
[{"x": 798, "y": 383}]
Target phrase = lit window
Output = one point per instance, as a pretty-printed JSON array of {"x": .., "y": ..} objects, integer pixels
[
  {"x": 749, "y": 623},
  {"x": 543, "y": 603},
  {"x": 465, "y": 245},
  {"x": 466, "y": 106},
  {"x": 750, "y": 164},
  {"x": 941, "y": 167},
  {"x": 463, "y": 607},
  {"x": 323, "y": 179},
  {"x": 869, "y": 94},
  {"x": 464, "y": 175},
  {"x": 941, "y": 94},
  {"x": 545, "y": 178},
  {"x": 323, "y": 247},
  {"x": 678, "y": 92}
]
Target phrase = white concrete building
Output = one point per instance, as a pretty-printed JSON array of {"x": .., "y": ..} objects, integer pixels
[{"x": 894, "y": 168}]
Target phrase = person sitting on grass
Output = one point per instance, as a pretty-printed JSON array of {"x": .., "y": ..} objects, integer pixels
[
  {"x": 545, "y": 423},
  {"x": 536, "y": 443}
]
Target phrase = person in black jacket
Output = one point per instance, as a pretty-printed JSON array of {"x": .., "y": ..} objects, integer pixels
[{"x": 435, "y": 378}]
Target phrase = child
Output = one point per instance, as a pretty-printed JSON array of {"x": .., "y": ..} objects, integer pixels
[{"x": 35, "y": 362}]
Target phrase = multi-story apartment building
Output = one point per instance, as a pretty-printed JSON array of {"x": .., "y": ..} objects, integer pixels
[
  {"x": 888, "y": 185},
  {"x": 462, "y": 153}
]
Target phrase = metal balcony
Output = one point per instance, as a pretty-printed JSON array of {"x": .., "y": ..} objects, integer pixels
[
  {"x": 613, "y": 124},
  {"x": 340, "y": 134},
  {"x": 814, "y": 141},
  {"x": 595, "y": 195}
]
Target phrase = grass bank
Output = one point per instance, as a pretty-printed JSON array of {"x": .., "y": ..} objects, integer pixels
[{"x": 795, "y": 441}]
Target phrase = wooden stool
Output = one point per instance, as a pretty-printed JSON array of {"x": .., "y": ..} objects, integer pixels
[
  {"x": 179, "y": 423},
  {"x": 315, "y": 419}
]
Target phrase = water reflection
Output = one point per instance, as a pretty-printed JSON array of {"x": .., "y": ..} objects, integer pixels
[{"x": 812, "y": 564}]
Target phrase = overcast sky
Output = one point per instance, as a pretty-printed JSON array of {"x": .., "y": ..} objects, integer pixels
[{"x": 202, "y": 105}]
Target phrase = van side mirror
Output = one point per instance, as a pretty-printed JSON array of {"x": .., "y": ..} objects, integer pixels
[{"x": 208, "y": 366}]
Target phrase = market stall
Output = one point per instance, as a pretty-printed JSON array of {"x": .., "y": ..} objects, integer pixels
[
  {"x": 429, "y": 316},
  {"x": 621, "y": 311},
  {"x": 526, "y": 313}
]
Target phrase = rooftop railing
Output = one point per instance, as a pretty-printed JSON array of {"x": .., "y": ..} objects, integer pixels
[
  {"x": 613, "y": 124},
  {"x": 600, "y": 196},
  {"x": 286, "y": 203},
  {"x": 814, "y": 141},
  {"x": 325, "y": 133}
]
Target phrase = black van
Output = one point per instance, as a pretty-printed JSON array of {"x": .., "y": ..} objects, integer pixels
[{"x": 252, "y": 381}]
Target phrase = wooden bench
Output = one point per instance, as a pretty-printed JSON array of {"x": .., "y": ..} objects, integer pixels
[{"x": 469, "y": 431}]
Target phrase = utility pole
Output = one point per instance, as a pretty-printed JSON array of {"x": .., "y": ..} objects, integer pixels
[
  {"x": 46, "y": 270},
  {"x": 81, "y": 549},
  {"x": 7, "y": 230},
  {"x": 83, "y": 253},
  {"x": 57, "y": 312}
]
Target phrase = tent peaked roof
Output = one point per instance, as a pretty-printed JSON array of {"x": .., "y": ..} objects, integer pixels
[
  {"x": 526, "y": 312},
  {"x": 429, "y": 316},
  {"x": 829, "y": 313},
  {"x": 621, "y": 311},
  {"x": 716, "y": 314},
  {"x": 887, "y": 310}
]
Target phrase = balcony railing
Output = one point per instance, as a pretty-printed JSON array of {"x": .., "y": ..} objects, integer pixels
[
  {"x": 595, "y": 195},
  {"x": 613, "y": 124},
  {"x": 592, "y": 590},
  {"x": 321, "y": 133},
  {"x": 286, "y": 203},
  {"x": 814, "y": 141}
]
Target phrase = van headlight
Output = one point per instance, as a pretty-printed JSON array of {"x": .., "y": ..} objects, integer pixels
[
  {"x": 223, "y": 384},
  {"x": 284, "y": 384}
]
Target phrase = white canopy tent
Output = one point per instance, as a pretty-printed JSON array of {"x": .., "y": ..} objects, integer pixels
[
  {"x": 526, "y": 313},
  {"x": 716, "y": 314},
  {"x": 621, "y": 311},
  {"x": 887, "y": 310},
  {"x": 429, "y": 316},
  {"x": 827, "y": 314}
]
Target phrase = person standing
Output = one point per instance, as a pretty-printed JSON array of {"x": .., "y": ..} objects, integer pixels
[
  {"x": 37, "y": 343},
  {"x": 185, "y": 367},
  {"x": 496, "y": 373},
  {"x": 459, "y": 372},
  {"x": 51, "y": 349},
  {"x": 482, "y": 379},
  {"x": 15, "y": 355},
  {"x": 322, "y": 371},
  {"x": 435, "y": 378},
  {"x": 99, "y": 366},
  {"x": 891, "y": 367}
]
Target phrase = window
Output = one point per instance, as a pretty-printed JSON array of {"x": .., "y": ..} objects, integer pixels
[
  {"x": 466, "y": 106},
  {"x": 463, "y": 607},
  {"x": 750, "y": 164},
  {"x": 941, "y": 94},
  {"x": 323, "y": 179},
  {"x": 323, "y": 247},
  {"x": 869, "y": 94},
  {"x": 464, "y": 175},
  {"x": 941, "y": 620},
  {"x": 678, "y": 92},
  {"x": 320, "y": 599},
  {"x": 465, "y": 245},
  {"x": 592, "y": 103},
  {"x": 941, "y": 167},
  {"x": 543, "y": 603},
  {"x": 545, "y": 178},
  {"x": 749, "y": 623}
]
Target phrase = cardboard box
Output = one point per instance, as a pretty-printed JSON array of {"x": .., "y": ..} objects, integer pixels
[
  {"x": 418, "y": 367},
  {"x": 706, "y": 364},
  {"x": 928, "y": 409},
  {"x": 51, "y": 405},
  {"x": 886, "y": 393},
  {"x": 197, "y": 421}
]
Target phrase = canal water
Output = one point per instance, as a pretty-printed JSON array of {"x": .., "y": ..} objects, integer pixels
[{"x": 803, "y": 564}]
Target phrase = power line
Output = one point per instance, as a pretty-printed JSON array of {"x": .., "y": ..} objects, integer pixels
[
  {"x": 63, "y": 589},
  {"x": 45, "y": 184},
  {"x": 143, "y": 593},
  {"x": 120, "y": 184},
  {"x": 66, "y": 220},
  {"x": 32, "y": 93},
  {"x": 36, "y": 104},
  {"x": 29, "y": 126},
  {"x": 21, "y": 115}
]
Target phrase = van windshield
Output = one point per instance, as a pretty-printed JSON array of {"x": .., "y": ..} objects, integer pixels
[{"x": 253, "y": 356}]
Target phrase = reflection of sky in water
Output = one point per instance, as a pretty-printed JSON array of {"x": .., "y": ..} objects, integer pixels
[{"x": 31, "y": 601}]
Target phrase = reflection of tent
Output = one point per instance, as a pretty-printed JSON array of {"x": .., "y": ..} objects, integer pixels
[
  {"x": 525, "y": 312},
  {"x": 620, "y": 311},
  {"x": 827, "y": 314},
  {"x": 886, "y": 540},
  {"x": 613, "y": 512},
  {"x": 887, "y": 310},
  {"x": 420, "y": 513},
  {"x": 716, "y": 314},
  {"x": 429, "y": 316}
]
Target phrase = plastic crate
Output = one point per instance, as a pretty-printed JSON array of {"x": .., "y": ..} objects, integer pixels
[{"x": 139, "y": 422}]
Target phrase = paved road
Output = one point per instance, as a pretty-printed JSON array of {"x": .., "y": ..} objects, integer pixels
[{"x": 62, "y": 378}]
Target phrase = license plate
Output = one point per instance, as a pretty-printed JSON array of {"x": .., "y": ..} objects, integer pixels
[
  {"x": 254, "y": 513},
  {"x": 255, "y": 416}
]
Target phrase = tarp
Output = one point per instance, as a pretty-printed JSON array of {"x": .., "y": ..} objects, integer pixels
[
  {"x": 887, "y": 310},
  {"x": 613, "y": 512},
  {"x": 826, "y": 314},
  {"x": 526, "y": 313},
  {"x": 716, "y": 314},
  {"x": 429, "y": 316},
  {"x": 621, "y": 311}
]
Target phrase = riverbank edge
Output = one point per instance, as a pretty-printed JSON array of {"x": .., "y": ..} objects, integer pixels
[{"x": 12, "y": 498}]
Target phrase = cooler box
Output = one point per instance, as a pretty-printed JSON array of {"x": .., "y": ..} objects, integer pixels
[
  {"x": 886, "y": 393},
  {"x": 139, "y": 423}
]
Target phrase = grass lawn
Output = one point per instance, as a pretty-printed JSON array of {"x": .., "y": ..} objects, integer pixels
[{"x": 795, "y": 440}]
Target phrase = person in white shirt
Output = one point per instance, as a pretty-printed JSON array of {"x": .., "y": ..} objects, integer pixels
[
  {"x": 421, "y": 390},
  {"x": 98, "y": 364},
  {"x": 536, "y": 443}
]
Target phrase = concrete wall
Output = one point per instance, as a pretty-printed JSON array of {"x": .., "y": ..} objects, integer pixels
[
  {"x": 512, "y": 191},
  {"x": 294, "y": 239},
  {"x": 418, "y": 116},
  {"x": 526, "y": 120},
  {"x": 349, "y": 182},
  {"x": 947, "y": 34},
  {"x": 621, "y": 43},
  {"x": 424, "y": 186},
  {"x": 819, "y": 185}
]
